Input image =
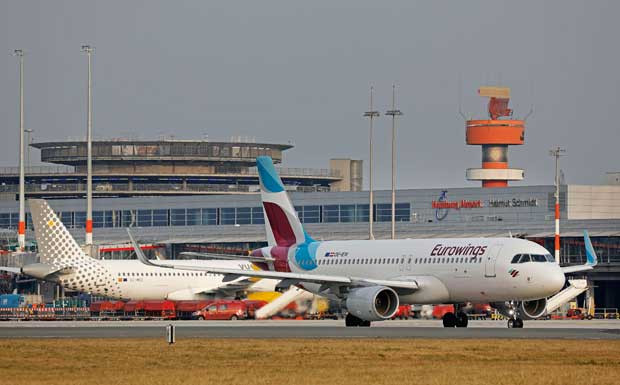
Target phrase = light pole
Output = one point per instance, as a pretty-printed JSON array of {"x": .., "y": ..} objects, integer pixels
[
  {"x": 28, "y": 143},
  {"x": 89, "y": 149},
  {"x": 21, "y": 226},
  {"x": 556, "y": 153},
  {"x": 394, "y": 113},
  {"x": 370, "y": 114}
]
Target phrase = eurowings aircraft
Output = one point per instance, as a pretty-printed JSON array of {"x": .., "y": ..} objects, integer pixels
[
  {"x": 64, "y": 262},
  {"x": 373, "y": 277}
]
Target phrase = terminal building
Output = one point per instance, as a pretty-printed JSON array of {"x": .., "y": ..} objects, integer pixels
[{"x": 234, "y": 223}]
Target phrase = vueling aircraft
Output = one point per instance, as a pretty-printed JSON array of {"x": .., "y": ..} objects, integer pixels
[{"x": 64, "y": 262}]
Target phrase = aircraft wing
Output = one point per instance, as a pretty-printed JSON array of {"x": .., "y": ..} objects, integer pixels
[
  {"x": 14, "y": 270},
  {"x": 248, "y": 258},
  {"x": 290, "y": 278},
  {"x": 227, "y": 288},
  {"x": 591, "y": 258}
]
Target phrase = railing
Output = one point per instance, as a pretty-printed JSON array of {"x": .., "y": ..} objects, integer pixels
[
  {"x": 144, "y": 187},
  {"x": 282, "y": 171},
  {"x": 34, "y": 170}
]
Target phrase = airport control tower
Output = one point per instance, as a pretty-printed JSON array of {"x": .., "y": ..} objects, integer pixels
[{"x": 495, "y": 135}]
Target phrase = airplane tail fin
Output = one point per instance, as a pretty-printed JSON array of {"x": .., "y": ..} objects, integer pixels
[
  {"x": 57, "y": 246},
  {"x": 281, "y": 222},
  {"x": 591, "y": 258}
]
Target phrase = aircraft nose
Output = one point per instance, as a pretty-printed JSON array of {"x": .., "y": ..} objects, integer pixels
[{"x": 556, "y": 279}]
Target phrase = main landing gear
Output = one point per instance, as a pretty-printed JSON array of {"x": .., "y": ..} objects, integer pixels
[
  {"x": 352, "y": 320},
  {"x": 451, "y": 320}
]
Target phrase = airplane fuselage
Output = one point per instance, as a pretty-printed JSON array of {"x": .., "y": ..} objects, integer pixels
[
  {"x": 129, "y": 279},
  {"x": 446, "y": 270}
]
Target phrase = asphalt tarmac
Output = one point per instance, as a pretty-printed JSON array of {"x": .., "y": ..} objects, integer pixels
[{"x": 594, "y": 329}]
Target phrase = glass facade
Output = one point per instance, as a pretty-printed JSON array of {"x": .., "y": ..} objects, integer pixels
[{"x": 343, "y": 213}]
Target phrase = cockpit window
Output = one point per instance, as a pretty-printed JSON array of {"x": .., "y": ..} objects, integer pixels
[
  {"x": 516, "y": 258},
  {"x": 549, "y": 258},
  {"x": 524, "y": 258},
  {"x": 538, "y": 258}
]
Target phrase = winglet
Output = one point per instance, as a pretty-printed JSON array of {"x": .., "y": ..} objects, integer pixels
[
  {"x": 139, "y": 253},
  {"x": 592, "y": 259}
]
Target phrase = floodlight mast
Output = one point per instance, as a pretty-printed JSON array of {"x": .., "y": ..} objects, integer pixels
[
  {"x": 394, "y": 113},
  {"x": 556, "y": 153},
  {"x": 371, "y": 114},
  {"x": 21, "y": 227},
  {"x": 89, "y": 149}
]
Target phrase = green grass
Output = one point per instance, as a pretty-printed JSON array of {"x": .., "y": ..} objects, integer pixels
[{"x": 308, "y": 361}]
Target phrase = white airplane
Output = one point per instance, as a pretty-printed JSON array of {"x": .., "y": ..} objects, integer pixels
[
  {"x": 373, "y": 277},
  {"x": 64, "y": 262}
]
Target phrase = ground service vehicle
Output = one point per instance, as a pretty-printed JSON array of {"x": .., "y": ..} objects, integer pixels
[{"x": 222, "y": 310}]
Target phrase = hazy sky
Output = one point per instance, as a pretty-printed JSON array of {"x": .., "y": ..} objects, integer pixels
[{"x": 300, "y": 71}]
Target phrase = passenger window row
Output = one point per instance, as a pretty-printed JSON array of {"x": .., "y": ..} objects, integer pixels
[
  {"x": 172, "y": 274},
  {"x": 386, "y": 261}
]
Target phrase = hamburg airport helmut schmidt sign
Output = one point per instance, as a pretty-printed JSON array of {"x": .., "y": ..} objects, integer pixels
[{"x": 443, "y": 205}]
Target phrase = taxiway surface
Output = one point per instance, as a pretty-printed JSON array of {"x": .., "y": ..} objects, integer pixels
[{"x": 595, "y": 329}]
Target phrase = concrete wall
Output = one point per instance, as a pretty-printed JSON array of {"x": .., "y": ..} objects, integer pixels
[
  {"x": 613, "y": 178},
  {"x": 593, "y": 202},
  {"x": 351, "y": 171}
]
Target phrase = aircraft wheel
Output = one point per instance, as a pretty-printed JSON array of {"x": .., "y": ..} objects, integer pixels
[
  {"x": 511, "y": 323},
  {"x": 351, "y": 320},
  {"x": 461, "y": 320},
  {"x": 518, "y": 323},
  {"x": 449, "y": 320}
]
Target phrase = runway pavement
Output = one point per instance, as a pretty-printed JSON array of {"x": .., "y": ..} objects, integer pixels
[{"x": 594, "y": 329}]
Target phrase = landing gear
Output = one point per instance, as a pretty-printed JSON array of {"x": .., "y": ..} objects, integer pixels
[
  {"x": 352, "y": 320},
  {"x": 461, "y": 320},
  {"x": 515, "y": 323},
  {"x": 449, "y": 320}
]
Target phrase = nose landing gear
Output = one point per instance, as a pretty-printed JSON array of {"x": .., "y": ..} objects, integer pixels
[{"x": 514, "y": 322}]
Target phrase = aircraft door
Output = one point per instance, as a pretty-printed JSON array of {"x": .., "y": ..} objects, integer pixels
[{"x": 490, "y": 258}]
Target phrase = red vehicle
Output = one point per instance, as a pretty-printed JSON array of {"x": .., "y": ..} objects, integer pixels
[
  {"x": 252, "y": 306},
  {"x": 403, "y": 312},
  {"x": 159, "y": 309},
  {"x": 222, "y": 310},
  {"x": 186, "y": 309},
  {"x": 440, "y": 310}
]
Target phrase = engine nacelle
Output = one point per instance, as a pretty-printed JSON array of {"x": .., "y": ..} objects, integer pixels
[
  {"x": 525, "y": 309},
  {"x": 373, "y": 303},
  {"x": 533, "y": 309}
]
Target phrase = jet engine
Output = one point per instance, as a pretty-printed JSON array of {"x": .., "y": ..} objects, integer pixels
[
  {"x": 533, "y": 309},
  {"x": 525, "y": 309},
  {"x": 373, "y": 303}
]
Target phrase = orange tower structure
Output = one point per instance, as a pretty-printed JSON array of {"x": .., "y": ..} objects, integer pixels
[{"x": 495, "y": 135}]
